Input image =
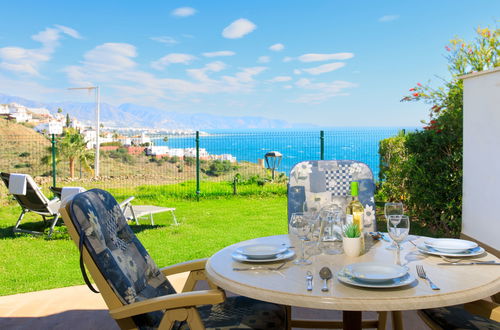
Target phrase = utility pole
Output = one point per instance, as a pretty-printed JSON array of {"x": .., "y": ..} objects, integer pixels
[{"x": 98, "y": 124}]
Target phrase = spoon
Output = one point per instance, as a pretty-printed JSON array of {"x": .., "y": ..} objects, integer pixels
[{"x": 325, "y": 273}]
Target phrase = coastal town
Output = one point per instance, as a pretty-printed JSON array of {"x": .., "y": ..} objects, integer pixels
[{"x": 148, "y": 141}]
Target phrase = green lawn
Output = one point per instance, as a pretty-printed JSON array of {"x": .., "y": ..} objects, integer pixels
[{"x": 35, "y": 263}]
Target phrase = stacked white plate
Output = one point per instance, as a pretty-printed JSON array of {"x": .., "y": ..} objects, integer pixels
[
  {"x": 262, "y": 253},
  {"x": 450, "y": 247},
  {"x": 375, "y": 275}
]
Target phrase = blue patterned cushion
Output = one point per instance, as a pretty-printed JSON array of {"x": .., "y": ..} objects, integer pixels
[
  {"x": 318, "y": 183},
  {"x": 119, "y": 255},
  {"x": 457, "y": 318}
]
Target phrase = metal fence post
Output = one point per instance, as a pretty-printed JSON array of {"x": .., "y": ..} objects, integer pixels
[
  {"x": 53, "y": 160},
  {"x": 322, "y": 145},
  {"x": 197, "y": 165}
]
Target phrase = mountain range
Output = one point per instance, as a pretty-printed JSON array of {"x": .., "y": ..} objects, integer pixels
[{"x": 138, "y": 116}]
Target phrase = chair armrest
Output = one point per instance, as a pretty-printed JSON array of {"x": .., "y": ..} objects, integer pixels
[
  {"x": 484, "y": 308},
  {"x": 172, "y": 301},
  {"x": 192, "y": 265},
  {"x": 127, "y": 201}
]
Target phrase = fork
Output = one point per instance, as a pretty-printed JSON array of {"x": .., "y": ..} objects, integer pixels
[
  {"x": 421, "y": 273},
  {"x": 259, "y": 267}
]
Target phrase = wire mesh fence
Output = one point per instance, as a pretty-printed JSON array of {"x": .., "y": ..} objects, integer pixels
[{"x": 221, "y": 162}]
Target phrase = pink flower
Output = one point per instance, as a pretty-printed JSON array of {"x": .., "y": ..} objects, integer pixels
[
  {"x": 419, "y": 84},
  {"x": 415, "y": 94},
  {"x": 412, "y": 89}
]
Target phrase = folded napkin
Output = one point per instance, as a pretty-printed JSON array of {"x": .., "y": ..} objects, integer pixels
[
  {"x": 17, "y": 184},
  {"x": 68, "y": 192}
]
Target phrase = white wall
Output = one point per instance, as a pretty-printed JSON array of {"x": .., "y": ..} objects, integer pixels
[{"x": 481, "y": 185}]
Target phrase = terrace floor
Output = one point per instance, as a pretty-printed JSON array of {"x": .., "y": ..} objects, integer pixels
[{"x": 78, "y": 308}]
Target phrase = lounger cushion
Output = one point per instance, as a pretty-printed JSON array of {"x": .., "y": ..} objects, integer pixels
[{"x": 456, "y": 317}]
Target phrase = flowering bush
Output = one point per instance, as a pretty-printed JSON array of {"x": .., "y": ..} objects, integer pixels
[{"x": 425, "y": 167}]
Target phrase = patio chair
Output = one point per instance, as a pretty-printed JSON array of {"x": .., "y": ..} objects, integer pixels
[
  {"x": 317, "y": 183},
  {"x": 138, "y": 293},
  {"x": 31, "y": 199},
  {"x": 134, "y": 212}
]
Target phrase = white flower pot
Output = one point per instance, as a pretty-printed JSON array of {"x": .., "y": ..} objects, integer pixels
[{"x": 352, "y": 246}]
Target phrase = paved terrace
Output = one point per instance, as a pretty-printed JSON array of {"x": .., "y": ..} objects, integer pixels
[{"x": 78, "y": 308}]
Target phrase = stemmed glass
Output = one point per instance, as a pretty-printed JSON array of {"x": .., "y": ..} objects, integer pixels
[
  {"x": 300, "y": 226},
  {"x": 392, "y": 209},
  {"x": 398, "y": 227}
]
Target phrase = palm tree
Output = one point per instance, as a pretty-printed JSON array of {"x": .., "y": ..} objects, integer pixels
[{"x": 73, "y": 147}]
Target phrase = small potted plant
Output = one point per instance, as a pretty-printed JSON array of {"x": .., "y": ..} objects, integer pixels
[{"x": 351, "y": 240}]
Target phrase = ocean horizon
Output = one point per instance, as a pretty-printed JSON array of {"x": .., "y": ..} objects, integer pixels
[{"x": 355, "y": 143}]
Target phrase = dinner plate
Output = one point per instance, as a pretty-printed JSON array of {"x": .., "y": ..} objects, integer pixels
[
  {"x": 468, "y": 253},
  {"x": 261, "y": 251},
  {"x": 450, "y": 245},
  {"x": 281, "y": 256},
  {"x": 374, "y": 272},
  {"x": 394, "y": 283}
]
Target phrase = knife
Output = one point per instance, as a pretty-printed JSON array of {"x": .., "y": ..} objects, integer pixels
[{"x": 468, "y": 263}]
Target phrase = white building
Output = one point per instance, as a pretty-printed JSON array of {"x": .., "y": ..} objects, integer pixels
[
  {"x": 223, "y": 157},
  {"x": 138, "y": 140}
]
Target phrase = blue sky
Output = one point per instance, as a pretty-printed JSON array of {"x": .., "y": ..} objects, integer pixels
[{"x": 329, "y": 63}]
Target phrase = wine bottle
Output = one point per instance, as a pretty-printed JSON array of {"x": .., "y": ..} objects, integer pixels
[{"x": 355, "y": 210}]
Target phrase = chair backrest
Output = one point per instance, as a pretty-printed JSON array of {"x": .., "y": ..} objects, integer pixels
[
  {"x": 34, "y": 200},
  {"x": 318, "y": 183},
  {"x": 116, "y": 259}
]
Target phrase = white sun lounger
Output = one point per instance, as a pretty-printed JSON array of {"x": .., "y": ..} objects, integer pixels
[{"x": 134, "y": 212}]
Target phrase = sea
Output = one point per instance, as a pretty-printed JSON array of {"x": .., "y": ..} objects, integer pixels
[{"x": 354, "y": 143}]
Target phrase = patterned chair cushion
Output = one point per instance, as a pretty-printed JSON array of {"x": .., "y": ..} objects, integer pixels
[
  {"x": 318, "y": 183},
  {"x": 119, "y": 255},
  {"x": 457, "y": 318},
  {"x": 242, "y": 313},
  {"x": 134, "y": 276}
]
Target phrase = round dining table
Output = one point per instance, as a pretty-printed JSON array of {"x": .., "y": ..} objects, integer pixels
[{"x": 287, "y": 286}]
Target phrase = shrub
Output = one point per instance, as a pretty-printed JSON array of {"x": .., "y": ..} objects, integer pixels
[
  {"x": 173, "y": 159},
  {"x": 112, "y": 143},
  {"x": 218, "y": 167},
  {"x": 122, "y": 155},
  {"x": 24, "y": 154},
  {"x": 190, "y": 161},
  {"x": 22, "y": 165}
]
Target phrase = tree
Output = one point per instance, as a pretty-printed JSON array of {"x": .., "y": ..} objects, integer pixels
[
  {"x": 165, "y": 139},
  {"x": 68, "y": 120},
  {"x": 59, "y": 110},
  {"x": 73, "y": 147}
]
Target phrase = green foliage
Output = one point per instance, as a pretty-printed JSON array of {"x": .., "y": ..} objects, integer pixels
[
  {"x": 73, "y": 147},
  {"x": 173, "y": 159},
  {"x": 112, "y": 144},
  {"x": 352, "y": 231},
  {"x": 122, "y": 155},
  {"x": 24, "y": 154},
  {"x": 219, "y": 167},
  {"x": 22, "y": 165},
  {"x": 424, "y": 168},
  {"x": 190, "y": 161}
]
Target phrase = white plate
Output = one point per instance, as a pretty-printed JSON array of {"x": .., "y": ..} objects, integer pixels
[
  {"x": 394, "y": 283},
  {"x": 261, "y": 251},
  {"x": 450, "y": 245},
  {"x": 469, "y": 253},
  {"x": 282, "y": 256},
  {"x": 374, "y": 272}
]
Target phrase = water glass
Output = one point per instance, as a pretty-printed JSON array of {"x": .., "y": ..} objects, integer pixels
[
  {"x": 331, "y": 218},
  {"x": 392, "y": 209},
  {"x": 398, "y": 227},
  {"x": 300, "y": 226}
]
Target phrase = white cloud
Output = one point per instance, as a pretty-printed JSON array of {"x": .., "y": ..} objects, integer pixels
[
  {"x": 297, "y": 71},
  {"x": 246, "y": 75},
  {"x": 325, "y": 68},
  {"x": 201, "y": 74},
  {"x": 183, "y": 12},
  {"x": 321, "y": 91},
  {"x": 325, "y": 57},
  {"x": 27, "y": 61},
  {"x": 173, "y": 58},
  {"x": 280, "y": 79},
  {"x": 219, "y": 53},
  {"x": 264, "y": 59},
  {"x": 388, "y": 18},
  {"x": 277, "y": 47},
  {"x": 164, "y": 40},
  {"x": 287, "y": 59},
  {"x": 111, "y": 57},
  {"x": 238, "y": 29}
]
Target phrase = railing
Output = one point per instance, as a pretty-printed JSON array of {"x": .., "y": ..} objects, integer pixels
[{"x": 198, "y": 164}]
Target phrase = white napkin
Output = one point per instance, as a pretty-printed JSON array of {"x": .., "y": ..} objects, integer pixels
[
  {"x": 67, "y": 192},
  {"x": 17, "y": 184}
]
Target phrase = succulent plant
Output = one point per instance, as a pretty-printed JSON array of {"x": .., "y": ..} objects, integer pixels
[{"x": 352, "y": 231}]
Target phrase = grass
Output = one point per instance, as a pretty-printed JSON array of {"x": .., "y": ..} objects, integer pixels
[{"x": 31, "y": 263}]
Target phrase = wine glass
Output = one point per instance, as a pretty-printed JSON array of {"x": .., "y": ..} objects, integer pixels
[
  {"x": 392, "y": 209},
  {"x": 398, "y": 227},
  {"x": 300, "y": 226}
]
